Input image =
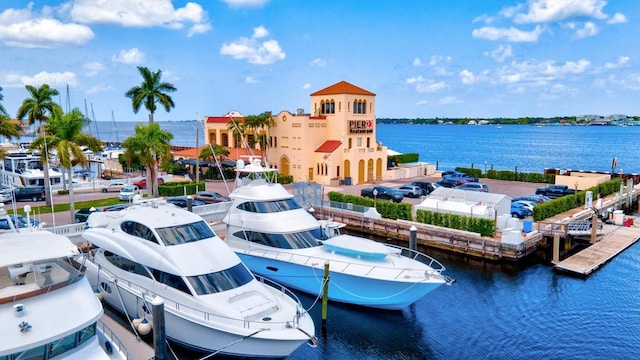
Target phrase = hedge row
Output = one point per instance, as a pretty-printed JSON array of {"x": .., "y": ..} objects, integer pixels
[
  {"x": 177, "y": 188},
  {"x": 510, "y": 175},
  {"x": 568, "y": 202},
  {"x": 486, "y": 227},
  {"x": 386, "y": 209}
]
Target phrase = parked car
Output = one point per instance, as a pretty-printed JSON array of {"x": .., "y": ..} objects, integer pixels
[
  {"x": 382, "y": 193},
  {"x": 6, "y": 194},
  {"x": 142, "y": 184},
  {"x": 528, "y": 204},
  {"x": 462, "y": 178},
  {"x": 539, "y": 199},
  {"x": 128, "y": 192},
  {"x": 426, "y": 187},
  {"x": 181, "y": 201},
  {"x": 520, "y": 211},
  {"x": 113, "y": 186},
  {"x": 211, "y": 197},
  {"x": 19, "y": 221},
  {"x": 83, "y": 214},
  {"x": 447, "y": 173},
  {"x": 33, "y": 193},
  {"x": 474, "y": 186},
  {"x": 412, "y": 191},
  {"x": 555, "y": 191},
  {"x": 116, "y": 207},
  {"x": 449, "y": 182}
]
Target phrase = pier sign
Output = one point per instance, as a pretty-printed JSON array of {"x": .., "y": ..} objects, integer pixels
[{"x": 360, "y": 126}]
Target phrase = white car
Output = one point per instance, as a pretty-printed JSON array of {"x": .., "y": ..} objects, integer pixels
[
  {"x": 128, "y": 192},
  {"x": 528, "y": 204},
  {"x": 114, "y": 186}
]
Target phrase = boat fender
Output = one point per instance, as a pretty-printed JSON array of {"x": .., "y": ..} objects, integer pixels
[
  {"x": 108, "y": 347},
  {"x": 136, "y": 323},
  {"x": 145, "y": 327}
]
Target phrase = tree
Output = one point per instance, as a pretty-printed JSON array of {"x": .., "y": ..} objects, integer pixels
[
  {"x": 237, "y": 130},
  {"x": 7, "y": 128},
  {"x": 153, "y": 146},
  {"x": 64, "y": 134},
  {"x": 151, "y": 92},
  {"x": 35, "y": 109},
  {"x": 3, "y": 111},
  {"x": 214, "y": 152}
]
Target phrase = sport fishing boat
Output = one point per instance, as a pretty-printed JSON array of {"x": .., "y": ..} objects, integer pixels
[
  {"x": 47, "y": 307},
  {"x": 278, "y": 239},
  {"x": 20, "y": 168},
  {"x": 212, "y": 301}
]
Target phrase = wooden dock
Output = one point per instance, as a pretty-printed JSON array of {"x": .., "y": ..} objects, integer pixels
[
  {"x": 615, "y": 240},
  {"x": 138, "y": 349}
]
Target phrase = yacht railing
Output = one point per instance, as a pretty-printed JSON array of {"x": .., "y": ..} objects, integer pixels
[
  {"x": 110, "y": 335},
  {"x": 148, "y": 295}
]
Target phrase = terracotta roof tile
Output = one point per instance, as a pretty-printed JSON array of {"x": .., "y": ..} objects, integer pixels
[
  {"x": 343, "y": 87},
  {"x": 329, "y": 146}
]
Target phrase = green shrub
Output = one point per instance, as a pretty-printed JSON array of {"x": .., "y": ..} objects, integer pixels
[
  {"x": 178, "y": 188},
  {"x": 485, "y": 227}
]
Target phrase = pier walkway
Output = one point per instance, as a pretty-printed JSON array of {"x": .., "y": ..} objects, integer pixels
[
  {"x": 615, "y": 240},
  {"x": 137, "y": 348}
]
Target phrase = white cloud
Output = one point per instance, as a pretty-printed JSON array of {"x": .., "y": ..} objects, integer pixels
[
  {"x": 501, "y": 53},
  {"x": 92, "y": 68},
  {"x": 483, "y": 18},
  {"x": 588, "y": 30},
  {"x": 250, "y": 80},
  {"x": 417, "y": 62},
  {"x": 141, "y": 14},
  {"x": 25, "y": 28},
  {"x": 541, "y": 73},
  {"x": 467, "y": 77},
  {"x": 131, "y": 56},
  {"x": 53, "y": 79},
  {"x": 617, "y": 18},
  {"x": 246, "y": 3},
  {"x": 426, "y": 85},
  {"x": 511, "y": 34},
  {"x": 100, "y": 88},
  {"x": 449, "y": 100},
  {"x": 437, "y": 59},
  {"x": 254, "y": 51},
  {"x": 622, "y": 60},
  {"x": 306, "y": 86},
  {"x": 556, "y": 10},
  {"x": 318, "y": 62}
]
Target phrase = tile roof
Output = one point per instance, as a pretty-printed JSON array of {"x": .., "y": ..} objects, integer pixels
[
  {"x": 221, "y": 119},
  {"x": 343, "y": 87},
  {"x": 329, "y": 146}
]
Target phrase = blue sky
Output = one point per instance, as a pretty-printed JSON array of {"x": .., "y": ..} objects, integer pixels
[{"x": 422, "y": 58}]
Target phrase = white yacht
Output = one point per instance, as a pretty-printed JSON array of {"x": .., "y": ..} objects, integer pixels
[
  {"x": 212, "y": 301},
  {"x": 278, "y": 239},
  {"x": 47, "y": 307},
  {"x": 25, "y": 169}
]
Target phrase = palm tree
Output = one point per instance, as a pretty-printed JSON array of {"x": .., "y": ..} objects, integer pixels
[
  {"x": 3, "y": 111},
  {"x": 237, "y": 131},
  {"x": 7, "y": 128},
  {"x": 214, "y": 152},
  {"x": 152, "y": 145},
  {"x": 36, "y": 108},
  {"x": 150, "y": 92},
  {"x": 64, "y": 134}
]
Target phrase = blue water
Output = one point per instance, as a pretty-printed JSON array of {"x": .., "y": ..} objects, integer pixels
[{"x": 492, "y": 311}]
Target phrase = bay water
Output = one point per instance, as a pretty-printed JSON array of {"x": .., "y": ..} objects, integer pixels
[{"x": 492, "y": 311}]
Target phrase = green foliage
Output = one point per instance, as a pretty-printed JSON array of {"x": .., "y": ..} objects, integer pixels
[
  {"x": 285, "y": 179},
  {"x": 521, "y": 176},
  {"x": 485, "y": 227},
  {"x": 178, "y": 188},
  {"x": 387, "y": 209},
  {"x": 566, "y": 203},
  {"x": 473, "y": 172},
  {"x": 406, "y": 158}
]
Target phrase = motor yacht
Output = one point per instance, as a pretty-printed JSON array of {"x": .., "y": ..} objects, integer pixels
[
  {"x": 278, "y": 239},
  {"x": 48, "y": 310},
  {"x": 212, "y": 301}
]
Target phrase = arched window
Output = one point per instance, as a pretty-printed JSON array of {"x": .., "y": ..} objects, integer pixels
[
  {"x": 333, "y": 107},
  {"x": 317, "y": 168},
  {"x": 322, "y": 107},
  {"x": 364, "y": 106}
]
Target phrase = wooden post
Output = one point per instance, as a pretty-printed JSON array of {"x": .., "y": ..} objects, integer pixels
[
  {"x": 413, "y": 243},
  {"x": 325, "y": 294},
  {"x": 556, "y": 248},
  {"x": 594, "y": 228},
  {"x": 159, "y": 330}
]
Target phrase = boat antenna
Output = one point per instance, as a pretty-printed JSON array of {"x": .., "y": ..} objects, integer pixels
[{"x": 213, "y": 153}]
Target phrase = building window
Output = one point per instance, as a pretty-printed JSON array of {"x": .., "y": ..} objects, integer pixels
[
  {"x": 359, "y": 142},
  {"x": 350, "y": 143},
  {"x": 368, "y": 142},
  {"x": 317, "y": 168},
  {"x": 225, "y": 140},
  {"x": 360, "y": 107}
]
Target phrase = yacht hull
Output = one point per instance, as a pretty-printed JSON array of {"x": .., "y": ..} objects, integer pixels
[{"x": 343, "y": 287}]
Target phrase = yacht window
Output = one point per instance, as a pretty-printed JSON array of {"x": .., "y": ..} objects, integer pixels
[
  {"x": 138, "y": 230},
  {"x": 265, "y": 207},
  {"x": 221, "y": 280},
  {"x": 185, "y": 233},
  {"x": 86, "y": 333},
  {"x": 299, "y": 240},
  {"x": 171, "y": 280},
  {"x": 63, "y": 345},
  {"x": 31, "y": 354},
  {"x": 126, "y": 264}
]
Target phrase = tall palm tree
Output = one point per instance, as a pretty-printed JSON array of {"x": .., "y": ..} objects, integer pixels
[
  {"x": 151, "y": 92},
  {"x": 214, "y": 152},
  {"x": 35, "y": 109},
  {"x": 64, "y": 134},
  {"x": 3, "y": 111},
  {"x": 153, "y": 146},
  {"x": 7, "y": 128},
  {"x": 237, "y": 130}
]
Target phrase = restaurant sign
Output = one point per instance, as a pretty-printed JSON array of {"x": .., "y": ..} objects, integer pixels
[{"x": 360, "y": 126}]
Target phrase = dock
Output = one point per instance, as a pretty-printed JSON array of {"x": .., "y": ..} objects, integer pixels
[
  {"x": 137, "y": 348},
  {"x": 615, "y": 240}
]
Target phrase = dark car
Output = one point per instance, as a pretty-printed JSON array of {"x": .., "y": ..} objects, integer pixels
[
  {"x": 142, "y": 184},
  {"x": 539, "y": 199},
  {"x": 83, "y": 214},
  {"x": 211, "y": 197},
  {"x": 33, "y": 193},
  {"x": 519, "y": 210},
  {"x": 19, "y": 221},
  {"x": 426, "y": 187},
  {"x": 181, "y": 201},
  {"x": 116, "y": 207},
  {"x": 449, "y": 182}
]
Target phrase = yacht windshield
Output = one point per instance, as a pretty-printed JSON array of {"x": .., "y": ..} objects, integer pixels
[
  {"x": 221, "y": 280},
  {"x": 181, "y": 234},
  {"x": 266, "y": 207},
  {"x": 299, "y": 240}
]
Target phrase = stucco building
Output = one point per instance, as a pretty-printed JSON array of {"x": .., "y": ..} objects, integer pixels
[{"x": 334, "y": 143}]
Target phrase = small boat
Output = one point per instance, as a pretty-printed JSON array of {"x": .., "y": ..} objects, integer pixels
[
  {"x": 48, "y": 310},
  {"x": 212, "y": 301},
  {"x": 278, "y": 239},
  {"x": 20, "y": 168}
]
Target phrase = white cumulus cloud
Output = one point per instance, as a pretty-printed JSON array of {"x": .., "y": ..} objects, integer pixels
[
  {"x": 245, "y": 3},
  {"x": 508, "y": 34},
  {"x": 53, "y": 79},
  {"x": 588, "y": 30},
  {"x": 540, "y": 11},
  {"x": 131, "y": 56},
  {"x": 617, "y": 18},
  {"x": 501, "y": 53},
  {"x": 318, "y": 62},
  {"x": 253, "y": 49}
]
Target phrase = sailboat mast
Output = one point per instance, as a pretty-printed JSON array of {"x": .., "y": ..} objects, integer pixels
[
  {"x": 115, "y": 128},
  {"x": 93, "y": 117},
  {"x": 86, "y": 111}
]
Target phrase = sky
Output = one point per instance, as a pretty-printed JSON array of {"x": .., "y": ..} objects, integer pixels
[{"x": 422, "y": 58}]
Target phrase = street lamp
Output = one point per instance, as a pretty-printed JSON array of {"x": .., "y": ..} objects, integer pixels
[
  {"x": 485, "y": 168},
  {"x": 375, "y": 195}
]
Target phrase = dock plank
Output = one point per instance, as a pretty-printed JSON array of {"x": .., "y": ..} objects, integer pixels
[
  {"x": 616, "y": 239},
  {"x": 136, "y": 347}
]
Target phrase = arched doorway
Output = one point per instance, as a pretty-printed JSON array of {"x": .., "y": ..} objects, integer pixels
[
  {"x": 379, "y": 169},
  {"x": 284, "y": 166},
  {"x": 370, "y": 177},
  {"x": 361, "y": 172}
]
